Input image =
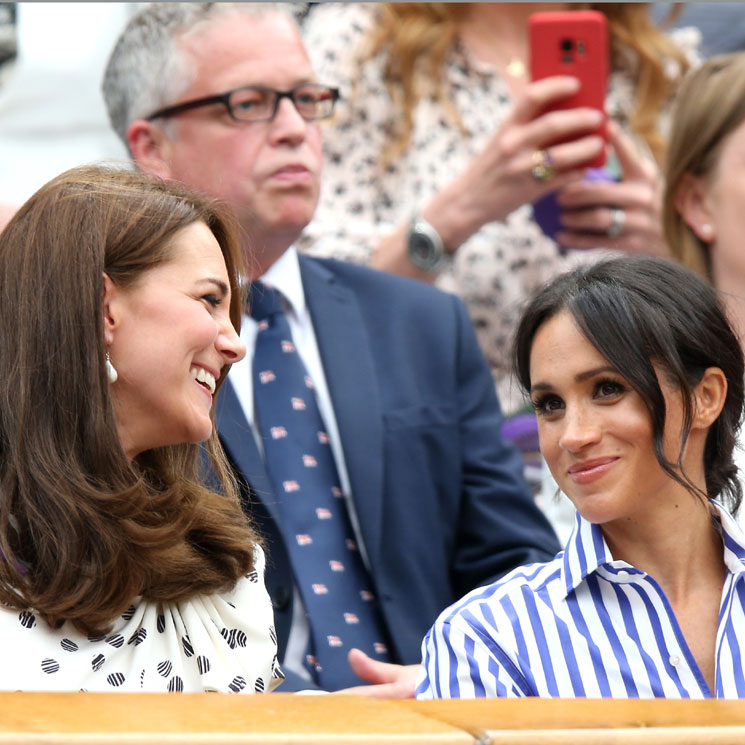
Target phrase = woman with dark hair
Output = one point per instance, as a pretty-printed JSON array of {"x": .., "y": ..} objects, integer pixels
[
  {"x": 636, "y": 377},
  {"x": 120, "y": 570}
]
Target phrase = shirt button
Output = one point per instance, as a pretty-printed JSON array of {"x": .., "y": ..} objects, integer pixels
[
  {"x": 674, "y": 660},
  {"x": 623, "y": 574}
]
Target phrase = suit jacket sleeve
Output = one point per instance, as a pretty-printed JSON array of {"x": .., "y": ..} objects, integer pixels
[{"x": 500, "y": 525}]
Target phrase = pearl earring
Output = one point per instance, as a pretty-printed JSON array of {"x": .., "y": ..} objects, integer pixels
[
  {"x": 707, "y": 229},
  {"x": 111, "y": 370}
]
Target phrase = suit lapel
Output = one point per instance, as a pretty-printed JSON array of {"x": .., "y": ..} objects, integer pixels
[
  {"x": 238, "y": 441},
  {"x": 350, "y": 373}
]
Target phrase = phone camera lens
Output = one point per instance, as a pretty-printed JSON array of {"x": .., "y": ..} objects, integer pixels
[{"x": 566, "y": 45}]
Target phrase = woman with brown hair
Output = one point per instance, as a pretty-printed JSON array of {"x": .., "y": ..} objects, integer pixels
[
  {"x": 120, "y": 570},
  {"x": 440, "y": 127},
  {"x": 703, "y": 205},
  {"x": 704, "y": 201}
]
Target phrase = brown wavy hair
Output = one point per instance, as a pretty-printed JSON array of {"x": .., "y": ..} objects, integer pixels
[
  {"x": 414, "y": 34},
  {"x": 709, "y": 107},
  {"x": 83, "y": 529}
]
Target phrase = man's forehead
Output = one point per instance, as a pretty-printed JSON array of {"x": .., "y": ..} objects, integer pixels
[{"x": 243, "y": 37}]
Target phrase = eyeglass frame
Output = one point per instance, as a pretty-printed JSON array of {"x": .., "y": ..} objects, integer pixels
[{"x": 224, "y": 98}]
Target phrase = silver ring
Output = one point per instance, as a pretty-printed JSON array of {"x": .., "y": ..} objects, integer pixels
[{"x": 617, "y": 221}]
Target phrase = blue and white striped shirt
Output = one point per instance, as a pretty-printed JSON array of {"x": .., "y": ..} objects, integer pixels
[{"x": 583, "y": 625}]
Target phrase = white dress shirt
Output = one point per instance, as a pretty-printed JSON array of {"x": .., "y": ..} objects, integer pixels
[{"x": 284, "y": 275}]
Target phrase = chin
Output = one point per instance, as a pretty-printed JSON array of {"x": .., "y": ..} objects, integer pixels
[{"x": 196, "y": 433}]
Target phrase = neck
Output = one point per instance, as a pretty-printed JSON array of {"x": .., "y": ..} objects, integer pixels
[
  {"x": 504, "y": 21},
  {"x": 730, "y": 282},
  {"x": 261, "y": 250},
  {"x": 679, "y": 547},
  {"x": 735, "y": 305},
  {"x": 497, "y": 33},
  {"x": 509, "y": 13}
]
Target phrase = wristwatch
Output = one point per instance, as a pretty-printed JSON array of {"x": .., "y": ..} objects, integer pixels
[{"x": 426, "y": 249}]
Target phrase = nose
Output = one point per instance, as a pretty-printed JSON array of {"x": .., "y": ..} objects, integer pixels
[
  {"x": 288, "y": 126},
  {"x": 229, "y": 344},
  {"x": 580, "y": 428}
]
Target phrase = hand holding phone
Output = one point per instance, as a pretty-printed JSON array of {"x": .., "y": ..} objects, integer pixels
[{"x": 575, "y": 43}]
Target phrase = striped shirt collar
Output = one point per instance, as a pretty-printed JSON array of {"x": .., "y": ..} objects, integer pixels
[{"x": 587, "y": 551}]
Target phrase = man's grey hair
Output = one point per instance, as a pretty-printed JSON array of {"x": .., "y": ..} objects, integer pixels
[{"x": 148, "y": 69}]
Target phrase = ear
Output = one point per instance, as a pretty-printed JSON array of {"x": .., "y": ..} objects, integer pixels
[
  {"x": 694, "y": 205},
  {"x": 111, "y": 295},
  {"x": 710, "y": 394},
  {"x": 150, "y": 148}
]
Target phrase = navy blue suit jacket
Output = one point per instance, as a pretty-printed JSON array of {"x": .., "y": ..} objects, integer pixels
[{"x": 439, "y": 494}]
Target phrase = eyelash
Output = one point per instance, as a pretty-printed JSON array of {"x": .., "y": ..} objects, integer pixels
[
  {"x": 617, "y": 386},
  {"x": 212, "y": 299},
  {"x": 542, "y": 403}
]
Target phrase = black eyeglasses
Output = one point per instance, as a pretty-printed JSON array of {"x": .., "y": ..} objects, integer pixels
[{"x": 257, "y": 103}]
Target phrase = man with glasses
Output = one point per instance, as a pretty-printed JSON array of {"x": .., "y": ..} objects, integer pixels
[{"x": 406, "y": 495}]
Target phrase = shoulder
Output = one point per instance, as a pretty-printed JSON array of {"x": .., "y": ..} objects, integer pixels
[
  {"x": 688, "y": 40},
  {"x": 335, "y": 31},
  {"x": 384, "y": 286},
  {"x": 501, "y": 604},
  {"x": 343, "y": 22}
]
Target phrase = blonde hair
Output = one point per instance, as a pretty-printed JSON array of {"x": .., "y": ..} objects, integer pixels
[
  {"x": 710, "y": 106},
  {"x": 414, "y": 34}
]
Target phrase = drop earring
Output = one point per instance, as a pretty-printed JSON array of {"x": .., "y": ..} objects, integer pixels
[{"x": 111, "y": 370}]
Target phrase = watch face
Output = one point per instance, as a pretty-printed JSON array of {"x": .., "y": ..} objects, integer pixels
[
  {"x": 420, "y": 246},
  {"x": 425, "y": 246}
]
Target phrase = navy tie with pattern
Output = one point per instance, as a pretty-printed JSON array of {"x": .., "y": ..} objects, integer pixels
[{"x": 333, "y": 581}]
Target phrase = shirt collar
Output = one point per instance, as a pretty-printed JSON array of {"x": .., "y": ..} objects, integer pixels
[
  {"x": 584, "y": 553},
  {"x": 587, "y": 550},
  {"x": 284, "y": 275},
  {"x": 734, "y": 540}
]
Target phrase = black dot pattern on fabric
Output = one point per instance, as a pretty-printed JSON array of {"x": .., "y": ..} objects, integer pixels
[
  {"x": 97, "y": 662},
  {"x": 115, "y": 679},
  {"x": 132, "y": 656},
  {"x": 203, "y": 664},
  {"x": 277, "y": 670},
  {"x": 234, "y": 637},
  {"x": 188, "y": 649},
  {"x": 237, "y": 684},
  {"x": 50, "y": 666},
  {"x": 127, "y": 615},
  {"x": 138, "y": 637}
]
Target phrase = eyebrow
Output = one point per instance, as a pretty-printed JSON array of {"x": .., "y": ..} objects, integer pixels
[
  {"x": 579, "y": 378},
  {"x": 217, "y": 282}
]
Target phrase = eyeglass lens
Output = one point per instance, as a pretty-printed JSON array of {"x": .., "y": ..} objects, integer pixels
[{"x": 253, "y": 104}]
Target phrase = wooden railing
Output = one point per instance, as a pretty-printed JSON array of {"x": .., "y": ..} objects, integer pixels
[{"x": 215, "y": 719}]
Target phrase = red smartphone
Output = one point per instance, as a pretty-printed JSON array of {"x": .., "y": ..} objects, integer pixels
[{"x": 573, "y": 42}]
